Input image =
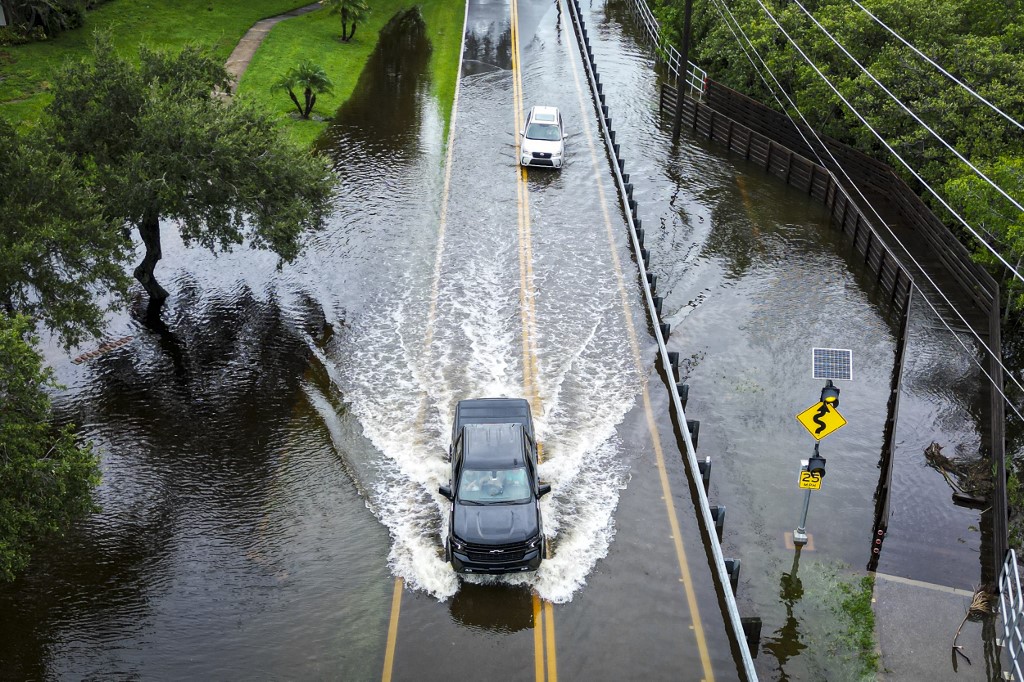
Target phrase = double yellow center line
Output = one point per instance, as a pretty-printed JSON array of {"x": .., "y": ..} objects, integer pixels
[{"x": 545, "y": 659}]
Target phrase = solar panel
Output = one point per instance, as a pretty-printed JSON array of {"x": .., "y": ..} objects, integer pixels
[{"x": 832, "y": 363}]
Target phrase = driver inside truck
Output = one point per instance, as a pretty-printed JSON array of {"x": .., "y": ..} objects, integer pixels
[{"x": 492, "y": 484}]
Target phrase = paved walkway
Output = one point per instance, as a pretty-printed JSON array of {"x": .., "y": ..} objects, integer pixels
[
  {"x": 915, "y": 625},
  {"x": 240, "y": 57}
]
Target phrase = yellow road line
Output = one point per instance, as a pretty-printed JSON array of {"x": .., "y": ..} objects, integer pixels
[
  {"x": 538, "y": 638},
  {"x": 396, "y": 599},
  {"x": 652, "y": 427},
  {"x": 389, "y": 654},
  {"x": 543, "y": 612},
  {"x": 526, "y": 297},
  {"x": 549, "y": 631}
]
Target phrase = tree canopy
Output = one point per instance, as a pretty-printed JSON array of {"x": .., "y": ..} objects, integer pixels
[
  {"x": 157, "y": 142},
  {"x": 45, "y": 477},
  {"x": 58, "y": 254}
]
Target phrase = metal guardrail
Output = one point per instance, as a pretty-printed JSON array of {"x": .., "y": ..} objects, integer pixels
[
  {"x": 723, "y": 573},
  {"x": 1011, "y": 608},
  {"x": 695, "y": 76}
]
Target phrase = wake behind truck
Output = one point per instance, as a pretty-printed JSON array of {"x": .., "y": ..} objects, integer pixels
[{"x": 495, "y": 524}]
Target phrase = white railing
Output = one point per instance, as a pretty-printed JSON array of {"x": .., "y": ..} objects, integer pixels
[
  {"x": 695, "y": 75},
  {"x": 1011, "y": 608},
  {"x": 690, "y": 456}
]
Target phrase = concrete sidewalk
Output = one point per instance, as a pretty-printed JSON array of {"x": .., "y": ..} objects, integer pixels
[
  {"x": 240, "y": 57},
  {"x": 915, "y": 623}
]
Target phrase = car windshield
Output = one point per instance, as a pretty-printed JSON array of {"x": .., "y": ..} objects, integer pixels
[
  {"x": 543, "y": 131},
  {"x": 493, "y": 486}
]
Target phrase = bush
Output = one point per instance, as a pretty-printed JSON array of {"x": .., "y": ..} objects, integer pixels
[
  {"x": 19, "y": 35},
  {"x": 39, "y": 19}
]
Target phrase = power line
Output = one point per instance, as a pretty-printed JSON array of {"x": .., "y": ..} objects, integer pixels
[
  {"x": 935, "y": 135},
  {"x": 947, "y": 74},
  {"x": 907, "y": 251},
  {"x": 720, "y": 5}
]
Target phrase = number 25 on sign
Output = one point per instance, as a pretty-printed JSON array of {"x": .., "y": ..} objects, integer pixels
[{"x": 810, "y": 479}]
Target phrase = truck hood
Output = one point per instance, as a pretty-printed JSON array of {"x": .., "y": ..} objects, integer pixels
[{"x": 495, "y": 524}]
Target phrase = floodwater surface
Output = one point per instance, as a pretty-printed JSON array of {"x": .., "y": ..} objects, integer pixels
[{"x": 271, "y": 454}]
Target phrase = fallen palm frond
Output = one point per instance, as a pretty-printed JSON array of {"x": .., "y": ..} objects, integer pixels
[{"x": 982, "y": 604}]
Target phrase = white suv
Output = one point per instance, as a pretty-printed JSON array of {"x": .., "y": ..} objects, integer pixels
[{"x": 542, "y": 140}]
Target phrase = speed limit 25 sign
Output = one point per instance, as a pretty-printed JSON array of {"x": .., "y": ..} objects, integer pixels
[{"x": 810, "y": 479}]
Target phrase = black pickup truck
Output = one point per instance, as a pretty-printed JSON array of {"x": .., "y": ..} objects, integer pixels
[{"x": 495, "y": 524}]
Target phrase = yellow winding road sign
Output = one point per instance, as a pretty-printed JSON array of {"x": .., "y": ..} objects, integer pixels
[{"x": 820, "y": 420}]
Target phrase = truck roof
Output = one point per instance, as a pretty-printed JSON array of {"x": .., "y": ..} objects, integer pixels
[
  {"x": 493, "y": 411},
  {"x": 493, "y": 446}
]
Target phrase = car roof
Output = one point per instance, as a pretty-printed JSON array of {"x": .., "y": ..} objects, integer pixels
[
  {"x": 545, "y": 114},
  {"x": 493, "y": 446}
]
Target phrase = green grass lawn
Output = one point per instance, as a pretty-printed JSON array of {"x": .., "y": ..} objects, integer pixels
[
  {"x": 315, "y": 37},
  {"x": 26, "y": 70}
]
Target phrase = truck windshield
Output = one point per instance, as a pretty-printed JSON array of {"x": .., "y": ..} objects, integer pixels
[{"x": 491, "y": 486}]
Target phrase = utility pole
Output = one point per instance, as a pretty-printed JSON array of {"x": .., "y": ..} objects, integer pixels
[{"x": 683, "y": 77}]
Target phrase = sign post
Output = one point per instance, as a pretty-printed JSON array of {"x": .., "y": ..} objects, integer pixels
[
  {"x": 820, "y": 420},
  {"x": 811, "y": 472}
]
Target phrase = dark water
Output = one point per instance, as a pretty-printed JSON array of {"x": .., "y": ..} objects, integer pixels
[{"x": 271, "y": 458}]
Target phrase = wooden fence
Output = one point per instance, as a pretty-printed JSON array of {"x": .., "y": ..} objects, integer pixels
[
  {"x": 802, "y": 173},
  {"x": 773, "y": 140}
]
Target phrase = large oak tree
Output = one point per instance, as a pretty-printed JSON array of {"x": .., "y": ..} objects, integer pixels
[
  {"x": 158, "y": 142},
  {"x": 45, "y": 476},
  {"x": 59, "y": 256}
]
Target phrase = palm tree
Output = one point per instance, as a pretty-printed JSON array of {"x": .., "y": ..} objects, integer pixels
[
  {"x": 311, "y": 78},
  {"x": 351, "y": 12}
]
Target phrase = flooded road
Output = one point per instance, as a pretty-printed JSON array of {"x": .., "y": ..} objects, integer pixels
[{"x": 271, "y": 459}]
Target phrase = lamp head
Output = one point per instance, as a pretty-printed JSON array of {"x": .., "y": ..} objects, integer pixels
[
  {"x": 816, "y": 465},
  {"x": 830, "y": 394}
]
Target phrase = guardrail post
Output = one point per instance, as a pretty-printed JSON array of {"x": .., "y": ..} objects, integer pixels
[
  {"x": 693, "y": 426},
  {"x": 718, "y": 514},
  {"x": 752, "y": 633},
  {"x": 732, "y": 567},
  {"x": 704, "y": 466}
]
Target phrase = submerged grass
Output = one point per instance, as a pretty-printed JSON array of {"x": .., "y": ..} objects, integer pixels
[
  {"x": 828, "y": 629},
  {"x": 26, "y": 70},
  {"x": 316, "y": 37},
  {"x": 859, "y": 621}
]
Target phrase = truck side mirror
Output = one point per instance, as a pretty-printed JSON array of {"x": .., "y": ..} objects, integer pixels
[
  {"x": 543, "y": 489},
  {"x": 445, "y": 491}
]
